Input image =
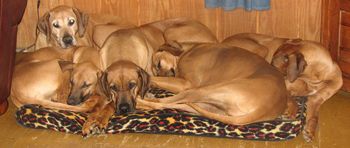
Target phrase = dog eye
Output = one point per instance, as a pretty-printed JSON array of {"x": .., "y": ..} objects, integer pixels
[
  {"x": 71, "y": 22},
  {"x": 131, "y": 85},
  {"x": 85, "y": 85},
  {"x": 159, "y": 65},
  {"x": 113, "y": 87},
  {"x": 56, "y": 25}
]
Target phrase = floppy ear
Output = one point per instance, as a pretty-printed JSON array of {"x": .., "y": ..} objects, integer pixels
[
  {"x": 66, "y": 65},
  {"x": 44, "y": 25},
  {"x": 173, "y": 47},
  {"x": 144, "y": 77},
  {"x": 103, "y": 84},
  {"x": 82, "y": 20},
  {"x": 296, "y": 65}
]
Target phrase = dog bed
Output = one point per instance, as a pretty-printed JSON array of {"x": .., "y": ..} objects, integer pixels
[{"x": 167, "y": 121}]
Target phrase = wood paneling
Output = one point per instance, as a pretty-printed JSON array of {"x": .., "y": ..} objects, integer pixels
[
  {"x": 290, "y": 18},
  {"x": 345, "y": 37}
]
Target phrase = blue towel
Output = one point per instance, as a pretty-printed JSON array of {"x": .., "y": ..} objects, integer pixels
[{"x": 232, "y": 4}]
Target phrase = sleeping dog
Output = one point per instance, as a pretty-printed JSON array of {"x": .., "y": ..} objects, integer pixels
[{"x": 308, "y": 68}]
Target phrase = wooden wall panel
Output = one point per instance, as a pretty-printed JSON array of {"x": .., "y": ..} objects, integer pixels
[
  {"x": 281, "y": 20},
  {"x": 290, "y": 18}
]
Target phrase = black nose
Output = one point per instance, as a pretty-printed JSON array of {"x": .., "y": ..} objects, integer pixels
[
  {"x": 72, "y": 101},
  {"x": 124, "y": 108},
  {"x": 67, "y": 39}
]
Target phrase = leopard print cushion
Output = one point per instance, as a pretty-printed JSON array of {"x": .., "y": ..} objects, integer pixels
[{"x": 167, "y": 121}]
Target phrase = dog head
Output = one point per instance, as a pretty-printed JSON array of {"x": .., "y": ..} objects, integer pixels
[
  {"x": 123, "y": 82},
  {"x": 83, "y": 80},
  {"x": 62, "y": 24},
  {"x": 164, "y": 61},
  {"x": 289, "y": 61}
]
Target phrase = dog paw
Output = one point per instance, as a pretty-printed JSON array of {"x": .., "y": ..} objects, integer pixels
[
  {"x": 310, "y": 130},
  {"x": 94, "y": 127}
]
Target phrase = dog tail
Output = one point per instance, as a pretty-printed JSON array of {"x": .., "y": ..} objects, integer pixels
[{"x": 234, "y": 120}]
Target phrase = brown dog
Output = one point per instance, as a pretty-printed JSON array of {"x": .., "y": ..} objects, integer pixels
[
  {"x": 38, "y": 79},
  {"x": 85, "y": 65},
  {"x": 308, "y": 68},
  {"x": 176, "y": 32},
  {"x": 126, "y": 57},
  {"x": 224, "y": 83},
  {"x": 164, "y": 61},
  {"x": 63, "y": 26},
  {"x": 178, "y": 29}
]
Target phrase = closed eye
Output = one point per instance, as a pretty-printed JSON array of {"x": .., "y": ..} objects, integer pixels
[
  {"x": 113, "y": 87},
  {"x": 85, "y": 85}
]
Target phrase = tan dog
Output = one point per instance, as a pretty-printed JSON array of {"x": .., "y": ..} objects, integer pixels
[
  {"x": 64, "y": 26},
  {"x": 224, "y": 83},
  {"x": 164, "y": 61},
  {"x": 177, "y": 32},
  {"x": 178, "y": 29},
  {"x": 85, "y": 66},
  {"x": 308, "y": 68},
  {"x": 38, "y": 79},
  {"x": 126, "y": 57}
]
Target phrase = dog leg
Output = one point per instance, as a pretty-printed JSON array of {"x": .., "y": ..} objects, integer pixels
[
  {"x": 98, "y": 120},
  {"x": 143, "y": 104},
  {"x": 313, "y": 106},
  {"x": 172, "y": 84},
  {"x": 292, "y": 108}
]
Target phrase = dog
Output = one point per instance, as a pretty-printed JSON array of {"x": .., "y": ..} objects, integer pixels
[
  {"x": 83, "y": 68},
  {"x": 177, "y": 29},
  {"x": 38, "y": 79},
  {"x": 307, "y": 66},
  {"x": 176, "y": 32},
  {"x": 126, "y": 58},
  {"x": 217, "y": 81},
  {"x": 164, "y": 61},
  {"x": 65, "y": 26}
]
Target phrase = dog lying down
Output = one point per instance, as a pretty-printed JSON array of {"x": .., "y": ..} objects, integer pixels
[{"x": 224, "y": 83}]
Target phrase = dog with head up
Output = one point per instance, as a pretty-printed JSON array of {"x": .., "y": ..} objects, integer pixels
[
  {"x": 64, "y": 27},
  {"x": 126, "y": 59},
  {"x": 307, "y": 66}
]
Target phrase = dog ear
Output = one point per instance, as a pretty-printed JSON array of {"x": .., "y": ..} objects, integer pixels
[
  {"x": 66, "y": 65},
  {"x": 145, "y": 78},
  {"x": 173, "y": 47},
  {"x": 82, "y": 20},
  {"x": 103, "y": 84},
  {"x": 44, "y": 25},
  {"x": 296, "y": 65}
]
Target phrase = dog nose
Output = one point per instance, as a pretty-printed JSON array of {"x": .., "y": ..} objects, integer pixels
[
  {"x": 124, "y": 108},
  {"x": 171, "y": 73},
  {"x": 67, "y": 39},
  {"x": 72, "y": 101}
]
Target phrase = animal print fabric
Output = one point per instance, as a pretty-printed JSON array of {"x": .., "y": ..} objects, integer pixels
[{"x": 167, "y": 121}]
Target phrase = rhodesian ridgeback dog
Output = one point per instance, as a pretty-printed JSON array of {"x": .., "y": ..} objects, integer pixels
[
  {"x": 85, "y": 65},
  {"x": 308, "y": 68},
  {"x": 65, "y": 26},
  {"x": 177, "y": 32},
  {"x": 126, "y": 58},
  {"x": 224, "y": 83}
]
